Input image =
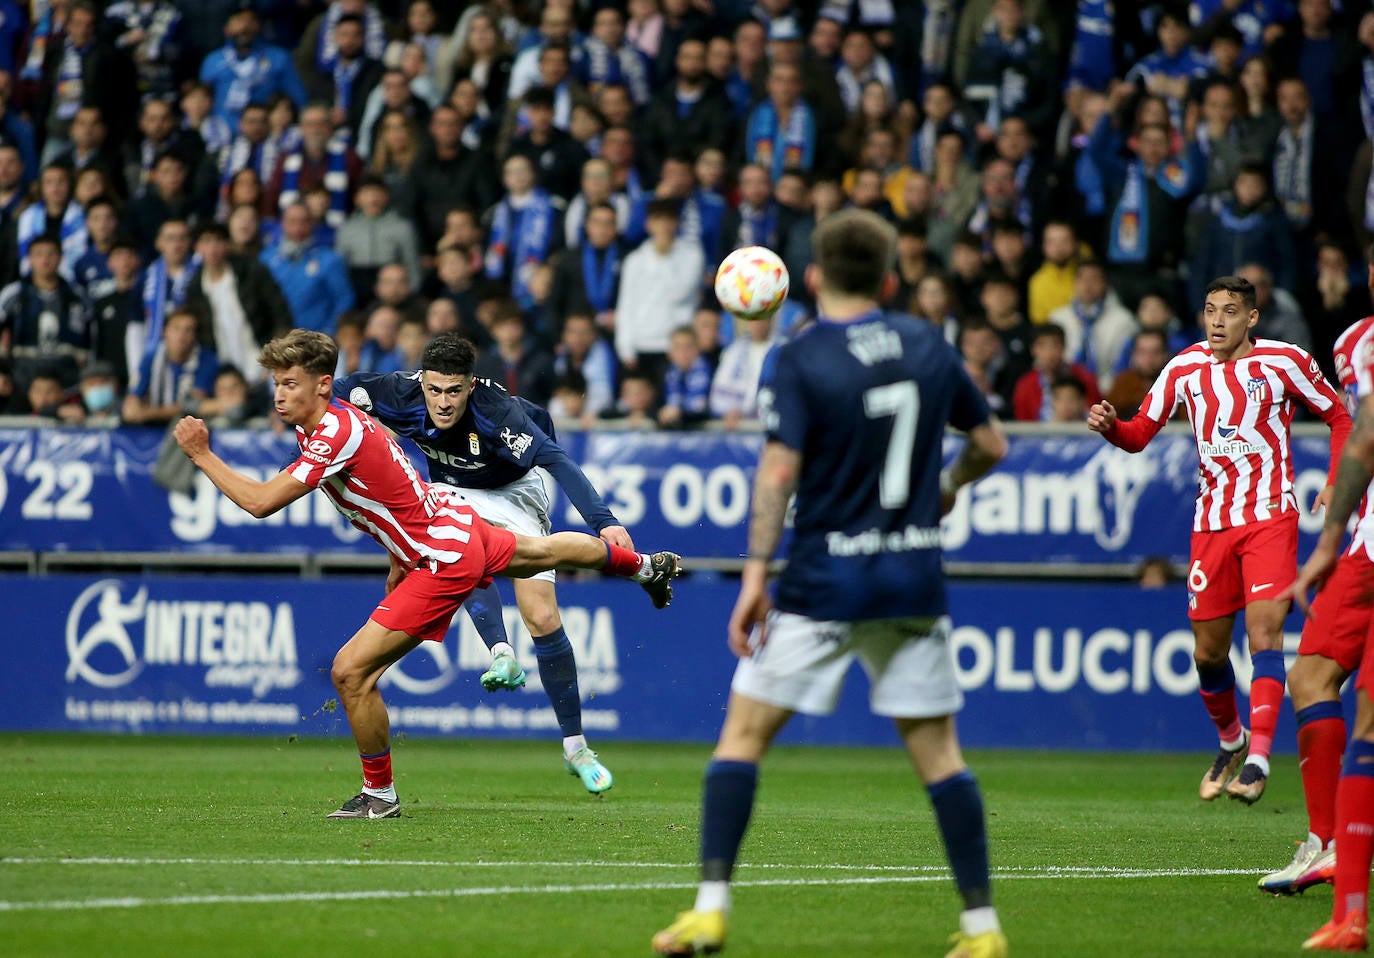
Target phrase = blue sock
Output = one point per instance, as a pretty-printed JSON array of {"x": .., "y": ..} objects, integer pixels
[
  {"x": 959, "y": 812},
  {"x": 1269, "y": 665},
  {"x": 727, "y": 801},
  {"x": 558, "y": 674},
  {"x": 1317, "y": 712},
  {"x": 1359, "y": 758},
  {"x": 1216, "y": 678},
  {"x": 484, "y": 608}
]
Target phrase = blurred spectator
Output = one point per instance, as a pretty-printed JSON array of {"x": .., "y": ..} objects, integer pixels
[
  {"x": 938, "y": 116},
  {"x": 691, "y": 111},
  {"x": 586, "y": 278},
  {"x": 524, "y": 229},
  {"x": 150, "y": 32},
  {"x": 381, "y": 351},
  {"x": 1217, "y": 148},
  {"x": 231, "y": 401},
  {"x": 735, "y": 388},
  {"x": 398, "y": 146},
  {"x": 1011, "y": 71},
  {"x": 1155, "y": 572},
  {"x": 56, "y": 215},
  {"x": 250, "y": 148},
  {"x": 598, "y": 186},
  {"x": 167, "y": 279},
  {"x": 314, "y": 279},
  {"x": 159, "y": 133},
  {"x": 198, "y": 116},
  {"x": 350, "y": 333},
  {"x": 1333, "y": 301},
  {"x": 933, "y": 301},
  {"x": 1002, "y": 310},
  {"x": 246, "y": 70},
  {"x": 323, "y": 157},
  {"x": 610, "y": 59},
  {"x": 1259, "y": 111},
  {"x": 977, "y": 17},
  {"x": 1155, "y": 314},
  {"x": 966, "y": 273},
  {"x": 582, "y": 351},
  {"x": 374, "y": 236},
  {"x": 644, "y": 28},
  {"x": 1032, "y": 400},
  {"x": 117, "y": 311},
  {"x": 350, "y": 78},
  {"x": 569, "y": 400},
  {"x": 239, "y": 304},
  {"x": 687, "y": 383},
  {"x": 750, "y": 47},
  {"x": 1009, "y": 256},
  {"x": 984, "y": 357},
  {"x": 174, "y": 373},
  {"x": 79, "y": 69},
  {"x": 46, "y": 395},
  {"x": 392, "y": 288},
  {"x": 659, "y": 288},
  {"x": 880, "y": 152},
  {"x": 1052, "y": 285},
  {"x": 1307, "y": 181},
  {"x": 1329, "y": 62},
  {"x": 1247, "y": 227},
  {"x": 101, "y": 223},
  {"x": 999, "y": 201},
  {"x": 10, "y": 401},
  {"x": 781, "y": 132},
  {"x": 391, "y": 96},
  {"x": 525, "y": 369},
  {"x": 635, "y": 406},
  {"x": 1096, "y": 325},
  {"x": 955, "y": 191},
  {"x": 556, "y": 156},
  {"x": 485, "y": 59},
  {"x": 44, "y": 322},
  {"x": 861, "y": 64},
  {"x": 165, "y": 198},
  {"x": 706, "y": 324},
  {"x": 877, "y": 110},
  {"x": 755, "y": 221},
  {"x": 447, "y": 175},
  {"x": 556, "y": 27},
  {"x": 914, "y": 261},
  {"x": 97, "y": 400},
  {"x": 1280, "y": 316},
  {"x": 245, "y": 231},
  {"x": 1068, "y": 400},
  {"x": 89, "y": 149},
  {"x": 410, "y": 343},
  {"x": 1150, "y": 353},
  {"x": 1170, "y": 70}
]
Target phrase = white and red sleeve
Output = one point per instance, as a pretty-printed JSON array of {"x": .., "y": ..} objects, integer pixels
[{"x": 330, "y": 449}]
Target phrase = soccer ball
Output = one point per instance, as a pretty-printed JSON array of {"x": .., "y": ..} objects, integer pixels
[{"x": 751, "y": 283}]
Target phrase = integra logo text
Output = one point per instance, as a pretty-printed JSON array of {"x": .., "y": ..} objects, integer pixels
[{"x": 111, "y": 640}]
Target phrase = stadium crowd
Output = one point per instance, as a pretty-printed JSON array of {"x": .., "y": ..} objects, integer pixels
[{"x": 556, "y": 180}]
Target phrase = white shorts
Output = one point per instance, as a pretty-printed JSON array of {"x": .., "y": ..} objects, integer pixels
[
  {"x": 803, "y": 664},
  {"x": 521, "y": 506}
]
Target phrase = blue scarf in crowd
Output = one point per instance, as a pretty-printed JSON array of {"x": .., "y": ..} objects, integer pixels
[
  {"x": 531, "y": 225},
  {"x": 758, "y": 226},
  {"x": 72, "y": 234},
  {"x": 600, "y": 280},
  {"x": 624, "y": 65},
  {"x": 161, "y": 294},
  {"x": 335, "y": 179},
  {"x": 1128, "y": 240},
  {"x": 778, "y": 150},
  {"x": 374, "y": 37}
]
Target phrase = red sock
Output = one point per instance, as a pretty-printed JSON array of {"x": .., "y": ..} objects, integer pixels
[
  {"x": 1266, "y": 698},
  {"x": 622, "y": 562},
  {"x": 1354, "y": 843},
  {"x": 1221, "y": 706},
  {"x": 1320, "y": 744},
  {"x": 376, "y": 769}
]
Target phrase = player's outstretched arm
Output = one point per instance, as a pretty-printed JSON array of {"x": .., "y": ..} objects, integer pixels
[
  {"x": 258, "y": 499},
  {"x": 986, "y": 447},
  {"x": 774, "y": 482},
  {"x": 1102, "y": 417}
]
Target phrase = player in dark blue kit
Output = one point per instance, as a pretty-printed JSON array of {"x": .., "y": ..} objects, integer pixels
[
  {"x": 491, "y": 445},
  {"x": 855, "y": 409}
]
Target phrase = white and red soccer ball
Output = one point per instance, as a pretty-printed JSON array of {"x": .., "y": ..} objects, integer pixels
[{"x": 751, "y": 283}]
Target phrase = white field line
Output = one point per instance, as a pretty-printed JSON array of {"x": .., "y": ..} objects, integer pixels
[{"x": 928, "y": 874}]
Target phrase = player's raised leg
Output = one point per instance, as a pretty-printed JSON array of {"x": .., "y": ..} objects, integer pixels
[
  {"x": 727, "y": 802},
  {"x": 484, "y": 608},
  {"x": 558, "y": 674},
  {"x": 535, "y": 554},
  {"x": 1348, "y": 929},
  {"x": 357, "y": 667},
  {"x": 1217, "y": 685}
]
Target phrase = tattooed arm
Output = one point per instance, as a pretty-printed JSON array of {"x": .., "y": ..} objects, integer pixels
[{"x": 774, "y": 483}]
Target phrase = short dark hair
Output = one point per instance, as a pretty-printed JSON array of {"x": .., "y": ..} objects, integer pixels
[
  {"x": 662, "y": 207},
  {"x": 540, "y": 96},
  {"x": 449, "y": 354},
  {"x": 1236, "y": 286},
  {"x": 854, "y": 251},
  {"x": 1068, "y": 381},
  {"x": 1158, "y": 334},
  {"x": 572, "y": 380},
  {"x": 229, "y": 369},
  {"x": 913, "y": 226},
  {"x": 124, "y": 241},
  {"x": 45, "y": 239},
  {"x": 350, "y": 18},
  {"x": 1049, "y": 331},
  {"x": 102, "y": 200},
  {"x": 217, "y": 230}
]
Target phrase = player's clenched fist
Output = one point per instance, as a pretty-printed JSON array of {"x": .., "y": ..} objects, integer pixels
[
  {"x": 1101, "y": 417},
  {"x": 192, "y": 436}
]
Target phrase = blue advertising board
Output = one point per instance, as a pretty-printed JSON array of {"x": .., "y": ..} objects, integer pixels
[
  {"x": 1046, "y": 666},
  {"x": 1055, "y": 499}
]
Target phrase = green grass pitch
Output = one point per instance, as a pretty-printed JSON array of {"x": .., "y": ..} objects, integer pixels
[{"x": 158, "y": 846}]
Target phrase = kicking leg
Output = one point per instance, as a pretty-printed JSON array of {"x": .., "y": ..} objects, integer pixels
[
  {"x": 655, "y": 572},
  {"x": 484, "y": 608},
  {"x": 1217, "y": 685},
  {"x": 357, "y": 667},
  {"x": 727, "y": 802}
]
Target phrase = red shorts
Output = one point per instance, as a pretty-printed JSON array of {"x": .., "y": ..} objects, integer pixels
[
  {"x": 425, "y": 602},
  {"x": 1229, "y": 569},
  {"x": 1341, "y": 613}
]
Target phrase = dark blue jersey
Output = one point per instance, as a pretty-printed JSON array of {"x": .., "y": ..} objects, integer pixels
[
  {"x": 498, "y": 439},
  {"x": 866, "y": 403}
]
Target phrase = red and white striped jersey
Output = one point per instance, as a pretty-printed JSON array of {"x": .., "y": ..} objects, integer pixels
[
  {"x": 370, "y": 480},
  {"x": 1354, "y": 354},
  {"x": 1241, "y": 411}
]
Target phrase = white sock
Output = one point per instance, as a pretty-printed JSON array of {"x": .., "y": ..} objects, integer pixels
[
  {"x": 713, "y": 896},
  {"x": 979, "y": 921},
  {"x": 1234, "y": 746},
  {"x": 387, "y": 794},
  {"x": 646, "y": 565},
  {"x": 1260, "y": 762},
  {"x": 502, "y": 648},
  {"x": 572, "y": 743}
]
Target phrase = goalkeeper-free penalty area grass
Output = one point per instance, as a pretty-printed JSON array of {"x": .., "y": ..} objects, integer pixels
[{"x": 192, "y": 847}]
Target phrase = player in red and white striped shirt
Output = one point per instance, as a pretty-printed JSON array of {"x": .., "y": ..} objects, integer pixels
[
  {"x": 440, "y": 549},
  {"x": 1353, "y": 833},
  {"x": 1333, "y": 640},
  {"x": 1240, "y": 395}
]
